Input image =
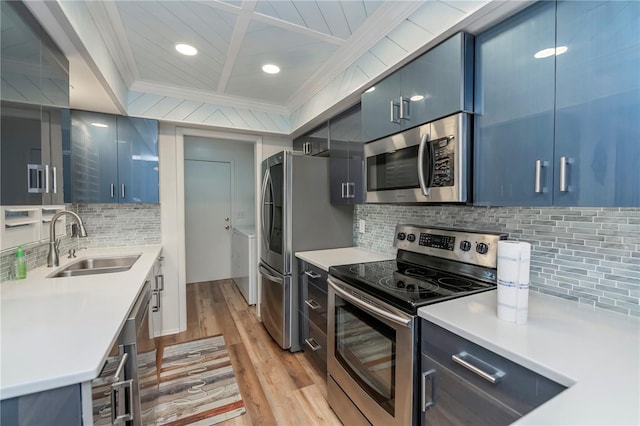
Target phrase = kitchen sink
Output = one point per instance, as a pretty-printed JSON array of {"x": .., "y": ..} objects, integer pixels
[{"x": 96, "y": 265}]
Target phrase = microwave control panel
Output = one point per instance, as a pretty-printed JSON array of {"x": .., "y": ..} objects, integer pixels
[{"x": 443, "y": 162}]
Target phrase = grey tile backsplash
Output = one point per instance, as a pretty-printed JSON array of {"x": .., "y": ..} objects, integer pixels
[
  {"x": 107, "y": 225},
  {"x": 587, "y": 255}
]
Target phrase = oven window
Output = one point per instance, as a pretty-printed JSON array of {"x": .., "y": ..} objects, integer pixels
[
  {"x": 394, "y": 170},
  {"x": 366, "y": 348}
]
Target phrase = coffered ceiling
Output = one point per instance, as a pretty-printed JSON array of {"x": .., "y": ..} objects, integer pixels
[{"x": 314, "y": 42}]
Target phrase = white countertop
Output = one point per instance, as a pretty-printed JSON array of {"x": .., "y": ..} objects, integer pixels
[
  {"x": 58, "y": 331},
  {"x": 593, "y": 352},
  {"x": 341, "y": 256}
]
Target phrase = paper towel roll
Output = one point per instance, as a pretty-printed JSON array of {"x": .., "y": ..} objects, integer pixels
[{"x": 513, "y": 280}]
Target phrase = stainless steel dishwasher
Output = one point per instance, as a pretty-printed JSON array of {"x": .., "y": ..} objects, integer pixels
[{"x": 140, "y": 365}]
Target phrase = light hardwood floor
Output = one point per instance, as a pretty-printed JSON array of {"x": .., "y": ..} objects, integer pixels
[{"x": 278, "y": 387}]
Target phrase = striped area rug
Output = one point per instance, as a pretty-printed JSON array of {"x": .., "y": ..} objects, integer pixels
[{"x": 197, "y": 384}]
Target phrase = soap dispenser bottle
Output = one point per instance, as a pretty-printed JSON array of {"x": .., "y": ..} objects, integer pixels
[{"x": 20, "y": 265}]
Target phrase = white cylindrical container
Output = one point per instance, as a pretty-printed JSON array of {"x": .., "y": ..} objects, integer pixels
[{"x": 513, "y": 280}]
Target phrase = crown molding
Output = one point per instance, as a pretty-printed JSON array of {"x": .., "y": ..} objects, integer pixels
[
  {"x": 208, "y": 97},
  {"x": 387, "y": 17}
]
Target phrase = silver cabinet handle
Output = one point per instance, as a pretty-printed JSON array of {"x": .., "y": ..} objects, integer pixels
[
  {"x": 467, "y": 361},
  {"x": 427, "y": 376},
  {"x": 394, "y": 106},
  {"x": 313, "y": 345},
  {"x": 122, "y": 190},
  {"x": 405, "y": 113},
  {"x": 563, "y": 174},
  {"x": 55, "y": 181},
  {"x": 351, "y": 194},
  {"x": 115, "y": 389},
  {"x": 538, "y": 188},
  {"x": 112, "y": 190},
  {"x": 156, "y": 308},
  {"x": 159, "y": 279},
  {"x": 46, "y": 178},
  {"x": 312, "y": 304},
  {"x": 311, "y": 274},
  {"x": 344, "y": 186}
]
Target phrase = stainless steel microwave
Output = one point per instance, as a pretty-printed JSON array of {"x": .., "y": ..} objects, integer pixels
[{"x": 426, "y": 164}]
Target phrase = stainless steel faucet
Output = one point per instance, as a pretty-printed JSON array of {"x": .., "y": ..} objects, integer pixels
[{"x": 53, "y": 258}]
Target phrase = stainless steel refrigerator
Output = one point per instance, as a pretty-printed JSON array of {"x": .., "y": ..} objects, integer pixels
[{"x": 296, "y": 215}]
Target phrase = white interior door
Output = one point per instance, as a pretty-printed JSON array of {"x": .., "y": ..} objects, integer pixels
[{"x": 208, "y": 228}]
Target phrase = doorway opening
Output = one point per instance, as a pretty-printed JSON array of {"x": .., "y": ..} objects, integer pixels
[{"x": 219, "y": 195}]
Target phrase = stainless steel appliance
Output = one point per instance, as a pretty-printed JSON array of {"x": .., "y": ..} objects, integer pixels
[
  {"x": 124, "y": 391},
  {"x": 372, "y": 335},
  {"x": 296, "y": 216},
  {"x": 429, "y": 163},
  {"x": 140, "y": 367}
]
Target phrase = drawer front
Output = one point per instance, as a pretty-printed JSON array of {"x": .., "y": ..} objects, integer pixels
[
  {"x": 315, "y": 307},
  {"x": 516, "y": 386},
  {"x": 314, "y": 345},
  {"x": 314, "y": 275},
  {"x": 457, "y": 403}
]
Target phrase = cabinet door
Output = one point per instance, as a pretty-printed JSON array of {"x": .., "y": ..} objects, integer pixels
[
  {"x": 93, "y": 157},
  {"x": 598, "y": 104},
  {"x": 514, "y": 105},
  {"x": 137, "y": 160},
  {"x": 346, "y": 160},
  {"x": 439, "y": 83},
  {"x": 381, "y": 109}
]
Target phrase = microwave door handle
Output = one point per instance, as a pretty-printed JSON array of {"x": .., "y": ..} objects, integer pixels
[{"x": 424, "y": 186}]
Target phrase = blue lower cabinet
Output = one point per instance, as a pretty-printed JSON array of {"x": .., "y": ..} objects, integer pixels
[{"x": 557, "y": 98}]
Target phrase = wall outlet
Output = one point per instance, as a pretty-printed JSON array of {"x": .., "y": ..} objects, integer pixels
[{"x": 361, "y": 226}]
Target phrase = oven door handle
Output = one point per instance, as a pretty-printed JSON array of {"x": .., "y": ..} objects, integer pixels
[{"x": 374, "y": 310}]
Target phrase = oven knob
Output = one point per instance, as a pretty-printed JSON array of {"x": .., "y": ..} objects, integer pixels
[
  {"x": 465, "y": 245},
  {"x": 400, "y": 284},
  {"x": 411, "y": 237},
  {"x": 401, "y": 236},
  {"x": 482, "y": 248}
]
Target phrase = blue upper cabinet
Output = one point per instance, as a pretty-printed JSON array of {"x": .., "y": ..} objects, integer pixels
[
  {"x": 597, "y": 137},
  {"x": 434, "y": 85},
  {"x": 514, "y": 106},
  {"x": 557, "y": 99},
  {"x": 113, "y": 159}
]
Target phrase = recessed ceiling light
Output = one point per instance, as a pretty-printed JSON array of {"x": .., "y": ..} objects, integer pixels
[
  {"x": 96, "y": 124},
  {"x": 271, "y": 69},
  {"x": 186, "y": 49},
  {"x": 545, "y": 53},
  {"x": 416, "y": 98},
  {"x": 370, "y": 89}
]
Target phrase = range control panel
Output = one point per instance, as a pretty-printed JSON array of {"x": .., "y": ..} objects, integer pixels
[{"x": 478, "y": 248}]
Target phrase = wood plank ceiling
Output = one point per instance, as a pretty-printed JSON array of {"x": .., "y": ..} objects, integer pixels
[{"x": 234, "y": 40}]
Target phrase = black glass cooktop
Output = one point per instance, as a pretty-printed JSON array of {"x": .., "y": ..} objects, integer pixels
[{"x": 405, "y": 285}]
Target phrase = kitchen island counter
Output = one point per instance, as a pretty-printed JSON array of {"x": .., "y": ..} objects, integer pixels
[
  {"x": 595, "y": 353},
  {"x": 58, "y": 331},
  {"x": 323, "y": 259}
]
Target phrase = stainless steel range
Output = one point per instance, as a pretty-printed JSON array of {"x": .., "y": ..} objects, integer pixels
[{"x": 373, "y": 326}]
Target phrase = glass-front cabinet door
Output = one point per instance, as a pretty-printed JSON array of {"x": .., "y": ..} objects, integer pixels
[{"x": 137, "y": 160}]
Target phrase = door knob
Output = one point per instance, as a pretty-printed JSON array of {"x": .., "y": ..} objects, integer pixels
[{"x": 227, "y": 227}]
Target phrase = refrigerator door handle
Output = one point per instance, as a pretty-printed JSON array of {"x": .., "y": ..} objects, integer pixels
[
  {"x": 265, "y": 236},
  {"x": 265, "y": 272}
]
